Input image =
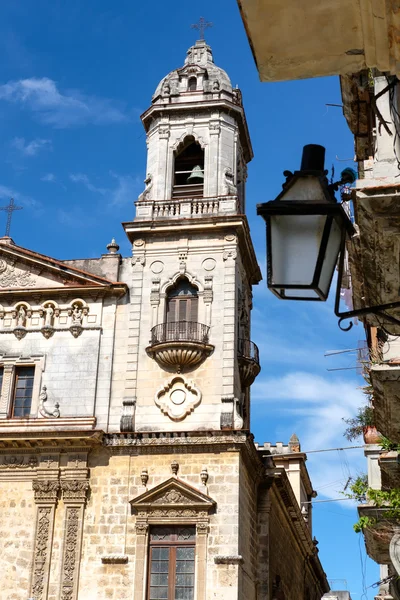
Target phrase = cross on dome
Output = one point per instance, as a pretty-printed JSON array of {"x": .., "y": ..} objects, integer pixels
[{"x": 201, "y": 26}]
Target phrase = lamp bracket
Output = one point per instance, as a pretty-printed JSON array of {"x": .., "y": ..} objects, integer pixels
[{"x": 379, "y": 309}]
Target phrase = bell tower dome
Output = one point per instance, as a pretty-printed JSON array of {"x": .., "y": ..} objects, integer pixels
[
  {"x": 198, "y": 141},
  {"x": 190, "y": 358}
]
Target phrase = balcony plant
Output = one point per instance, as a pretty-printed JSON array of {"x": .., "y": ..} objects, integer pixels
[
  {"x": 388, "y": 500},
  {"x": 362, "y": 424}
]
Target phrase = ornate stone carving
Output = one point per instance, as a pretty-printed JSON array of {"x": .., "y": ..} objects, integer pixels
[
  {"x": 42, "y": 410},
  {"x": 139, "y": 260},
  {"x": 145, "y": 195},
  {"x": 177, "y": 398},
  {"x": 230, "y": 186},
  {"x": 173, "y": 497},
  {"x": 141, "y": 528},
  {"x": 12, "y": 277},
  {"x": 70, "y": 553},
  {"x": 47, "y": 332},
  {"x": 41, "y": 553},
  {"x": 115, "y": 440},
  {"x": 19, "y": 462},
  {"x": 20, "y": 332},
  {"x": 76, "y": 330},
  {"x": 46, "y": 490},
  {"x": 230, "y": 254},
  {"x": 144, "y": 476},
  {"x": 204, "y": 475},
  {"x": 394, "y": 551},
  {"x": 127, "y": 422},
  {"x": 175, "y": 468},
  {"x": 74, "y": 490},
  {"x": 235, "y": 559}
]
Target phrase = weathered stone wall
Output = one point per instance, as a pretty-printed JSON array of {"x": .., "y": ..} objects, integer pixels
[
  {"x": 109, "y": 527},
  {"x": 288, "y": 565},
  {"x": 17, "y": 525}
]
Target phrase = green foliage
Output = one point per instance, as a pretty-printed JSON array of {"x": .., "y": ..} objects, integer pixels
[
  {"x": 358, "y": 489},
  {"x": 363, "y": 418},
  {"x": 389, "y": 500},
  {"x": 363, "y": 523},
  {"x": 387, "y": 444}
]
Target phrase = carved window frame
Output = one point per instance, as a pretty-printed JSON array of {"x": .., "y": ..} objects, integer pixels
[
  {"x": 195, "y": 510},
  {"x": 10, "y": 364}
]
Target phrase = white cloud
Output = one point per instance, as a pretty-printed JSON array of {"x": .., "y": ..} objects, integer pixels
[
  {"x": 124, "y": 192},
  {"x": 60, "y": 109},
  {"x": 7, "y": 193},
  {"x": 82, "y": 178},
  {"x": 49, "y": 177},
  {"x": 315, "y": 406},
  {"x": 30, "y": 148}
]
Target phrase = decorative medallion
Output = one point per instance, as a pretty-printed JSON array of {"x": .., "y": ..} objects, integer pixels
[
  {"x": 208, "y": 264},
  {"x": 178, "y": 398},
  {"x": 157, "y": 266}
]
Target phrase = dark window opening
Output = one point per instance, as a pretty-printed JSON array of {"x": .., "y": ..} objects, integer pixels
[
  {"x": 192, "y": 84},
  {"x": 189, "y": 170},
  {"x": 182, "y": 302},
  {"x": 1, "y": 378},
  {"x": 171, "y": 563},
  {"x": 23, "y": 390}
]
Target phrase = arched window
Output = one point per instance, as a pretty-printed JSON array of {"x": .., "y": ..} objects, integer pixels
[
  {"x": 189, "y": 169},
  {"x": 192, "y": 84},
  {"x": 182, "y": 302}
]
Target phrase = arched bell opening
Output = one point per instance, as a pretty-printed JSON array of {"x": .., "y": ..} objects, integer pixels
[
  {"x": 192, "y": 84},
  {"x": 189, "y": 170}
]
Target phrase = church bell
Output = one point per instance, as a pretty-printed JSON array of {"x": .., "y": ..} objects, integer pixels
[{"x": 196, "y": 176}]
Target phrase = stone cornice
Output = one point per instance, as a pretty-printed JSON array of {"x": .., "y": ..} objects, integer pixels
[
  {"x": 50, "y": 439},
  {"x": 237, "y": 223}
]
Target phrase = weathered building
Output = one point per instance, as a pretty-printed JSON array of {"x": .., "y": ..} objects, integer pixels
[{"x": 127, "y": 469}]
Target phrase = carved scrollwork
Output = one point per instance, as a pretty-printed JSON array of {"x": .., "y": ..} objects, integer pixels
[
  {"x": 42, "y": 539},
  {"x": 46, "y": 490},
  {"x": 70, "y": 551},
  {"x": 19, "y": 462},
  {"x": 74, "y": 489}
]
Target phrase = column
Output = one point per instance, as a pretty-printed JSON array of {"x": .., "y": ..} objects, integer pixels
[
  {"x": 74, "y": 496},
  {"x": 140, "y": 559},
  {"x": 46, "y": 496}
]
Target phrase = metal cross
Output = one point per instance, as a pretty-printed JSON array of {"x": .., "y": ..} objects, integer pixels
[
  {"x": 10, "y": 209},
  {"x": 201, "y": 26}
]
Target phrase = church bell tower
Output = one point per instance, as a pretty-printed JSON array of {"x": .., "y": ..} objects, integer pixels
[{"x": 191, "y": 360}]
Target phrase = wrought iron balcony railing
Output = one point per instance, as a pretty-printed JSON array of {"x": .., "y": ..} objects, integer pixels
[
  {"x": 180, "y": 331},
  {"x": 249, "y": 362},
  {"x": 248, "y": 349}
]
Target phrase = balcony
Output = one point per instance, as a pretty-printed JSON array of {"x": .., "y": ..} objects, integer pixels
[
  {"x": 179, "y": 345},
  {"x": 385, "y": 380},
  {"x": 185, "y": 208},
  {"x": 249, "y": 362},
  {"x": 378, "y": 536}
]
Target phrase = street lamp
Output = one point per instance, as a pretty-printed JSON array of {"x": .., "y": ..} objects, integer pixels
[
  {"x": 306, "y": 230},
  {"x": 306, "y": 237}
]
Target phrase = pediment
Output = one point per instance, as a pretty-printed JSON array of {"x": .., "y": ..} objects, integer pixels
[
  {"x": 22, "y": 269},
  {"x": 173, "y": 493}
]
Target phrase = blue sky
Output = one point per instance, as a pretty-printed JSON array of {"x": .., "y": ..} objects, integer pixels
[{"x": 74, "y": 78}]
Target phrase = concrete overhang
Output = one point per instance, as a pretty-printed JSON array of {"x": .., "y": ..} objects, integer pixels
[
  {"x": 297, "y": 39},
  {"x": 374, "y": 253},
  {"x": 385, "y": 381},
  {"x": 378, "y": 537},
  {"x": 389, "y": 463}
]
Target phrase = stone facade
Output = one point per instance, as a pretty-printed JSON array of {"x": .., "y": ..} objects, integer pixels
[{"x": 136, "y": 419}]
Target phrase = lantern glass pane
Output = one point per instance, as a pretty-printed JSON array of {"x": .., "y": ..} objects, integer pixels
[
  {"x": 295, "y": 245},
  {"x": 330, "y": 259}
]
